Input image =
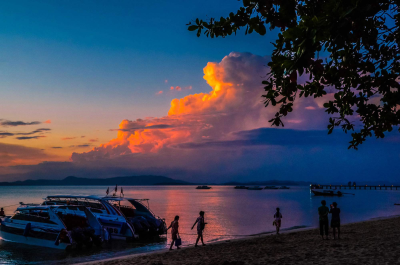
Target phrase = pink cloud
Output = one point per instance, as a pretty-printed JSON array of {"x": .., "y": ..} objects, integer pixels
[
  {"x": 48, "y": 121},
  {"x": 178, "y": 88},
  {"x": 166, "y": 81},
  {"x": 159, "y": 92},
  {"x": 68, "y": 138},
  {"x": 310, "y": 108}
]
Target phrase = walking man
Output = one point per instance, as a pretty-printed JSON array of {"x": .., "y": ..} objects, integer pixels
[{"x": 200, "y": 227}]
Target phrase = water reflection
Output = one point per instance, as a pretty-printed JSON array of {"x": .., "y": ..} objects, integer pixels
[{"x": 229, "y": 214}]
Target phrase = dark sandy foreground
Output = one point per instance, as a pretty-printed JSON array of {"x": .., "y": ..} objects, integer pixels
[{"x": 372, "y": 242}]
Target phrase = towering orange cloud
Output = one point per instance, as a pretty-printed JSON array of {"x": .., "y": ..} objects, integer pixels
[{"x": 233, "y": 104}]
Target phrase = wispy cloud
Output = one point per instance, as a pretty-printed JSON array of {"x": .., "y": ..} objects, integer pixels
[
  {"x": 80, "y": 145},
  {"x": 5, "y": 134},
  {"x": 68, "y": 138},
  {"x": 56, "y": 147},
  {"x": 17, "y": 123},
  {"x": 94, "y": 140},
  {"x": 41, "y": 130},
  {"x": 159, "y": 92},
  {"x": 30, "y": 137},
  {"x": 48, "y": 121}
]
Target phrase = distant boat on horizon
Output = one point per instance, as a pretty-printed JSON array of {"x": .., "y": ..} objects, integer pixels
[
  {"x": 241, "y": 187},
  {"x": 271, "y": 188},
  {"x": 283, "y": 188},
  {"x": 255, "y": 188},
  {"x": 204, "y": 187}
]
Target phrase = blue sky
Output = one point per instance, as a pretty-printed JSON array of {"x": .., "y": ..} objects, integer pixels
[{"x": 81, "y": 68}]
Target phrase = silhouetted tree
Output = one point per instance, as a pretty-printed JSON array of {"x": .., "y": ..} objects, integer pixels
[{"x": 360, "y": 43}]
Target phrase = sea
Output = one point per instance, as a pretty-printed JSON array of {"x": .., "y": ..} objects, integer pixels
[{"x": 229, "y": 214}]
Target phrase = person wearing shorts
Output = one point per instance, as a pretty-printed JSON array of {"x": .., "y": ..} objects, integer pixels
[{"x": 200, "y": 227}]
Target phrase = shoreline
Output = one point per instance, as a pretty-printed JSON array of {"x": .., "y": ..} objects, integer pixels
[{"x": 270, "y": 236}]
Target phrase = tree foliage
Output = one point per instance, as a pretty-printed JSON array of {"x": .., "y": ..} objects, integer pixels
[{"x": 360, "y": 43}]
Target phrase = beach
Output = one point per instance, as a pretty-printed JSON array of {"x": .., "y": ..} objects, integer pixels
[{"x": 369, "y": 242}]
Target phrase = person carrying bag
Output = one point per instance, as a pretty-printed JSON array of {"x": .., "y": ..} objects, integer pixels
[{"x": 175, "y": 233}]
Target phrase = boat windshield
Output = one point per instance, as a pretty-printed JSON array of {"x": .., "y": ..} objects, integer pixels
[
  {"x": 139, "y": 207},
  {"x": 124, "y": 206},
  {"x": 38, "y": 216}
]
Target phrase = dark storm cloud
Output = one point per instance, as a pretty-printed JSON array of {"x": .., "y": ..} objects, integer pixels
[{"x": 17, "y": 123}]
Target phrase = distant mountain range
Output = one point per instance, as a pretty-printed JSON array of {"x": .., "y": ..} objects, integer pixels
[
  {"x": 75, "y": 181},
  {"x": 138, "y": 181}
]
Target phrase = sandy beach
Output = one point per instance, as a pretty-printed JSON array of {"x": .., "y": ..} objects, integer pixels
[{"x": 370, "y": 242}]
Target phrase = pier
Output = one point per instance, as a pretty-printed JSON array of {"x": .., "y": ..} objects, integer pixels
[{"x": 354, "y": 187}]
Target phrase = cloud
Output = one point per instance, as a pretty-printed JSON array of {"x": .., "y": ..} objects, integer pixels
[
  {"x": 41, "y": 130},
  {"x": 177, "y": 88},
  {"x": 30, "y": 137},
  {"x": 166, "y": 81},
  {"x": 11, "y": 154},
  {"x": 5, "y": 134},
  {"x": 310, "y": 108},
  {"x": 94, "y": 140},
  {"x": 56, "y": 147},
  {"x": 233, "y": 104},
  {"x": 48, "y": 121},
  {"x": 159, "y": 92},
  {"x": 80, "y": 145},
  {"x": 68, "y": 138},
  {"x": 17, "y": 123}
]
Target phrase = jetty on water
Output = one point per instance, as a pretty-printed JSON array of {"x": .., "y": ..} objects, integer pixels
[{"x": 354, "y": 187}]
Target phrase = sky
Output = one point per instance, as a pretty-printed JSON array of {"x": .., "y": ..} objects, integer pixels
[{"x": 104, "y": 89}]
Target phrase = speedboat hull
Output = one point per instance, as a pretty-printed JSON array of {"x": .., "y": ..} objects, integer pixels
[
  {"x": 28, "y": 240},
  {"x": 319, "y": 193}
]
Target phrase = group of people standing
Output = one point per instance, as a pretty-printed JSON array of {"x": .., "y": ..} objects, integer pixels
[
  {"x": 323, "y": 212},
  {"x": 200, "y": 228}
]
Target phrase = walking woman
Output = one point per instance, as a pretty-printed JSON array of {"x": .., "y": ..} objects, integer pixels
[
  {"x": 277, "y": 221},
  {"x": 335, "y": 221},
  {"x": 175, "y": 226},
  {"x": 200, "y": 227}
]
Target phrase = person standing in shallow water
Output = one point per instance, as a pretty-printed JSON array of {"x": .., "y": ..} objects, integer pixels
[
  {"x": 335, "y": 221},
  {"x": 277, "y": 221},
  {"x": 200, "y": 227},
  {"x": 323, "y": 212},
  {"x": 174, "y": 232}
]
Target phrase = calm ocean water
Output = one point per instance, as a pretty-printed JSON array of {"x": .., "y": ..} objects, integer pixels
[{"x": 230, "y": 214}]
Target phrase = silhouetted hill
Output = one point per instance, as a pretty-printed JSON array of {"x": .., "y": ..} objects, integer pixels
[{"x": 74, "y": 181}]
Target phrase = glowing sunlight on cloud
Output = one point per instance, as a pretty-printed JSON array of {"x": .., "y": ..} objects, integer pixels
[{"x": 233, "y": 104}]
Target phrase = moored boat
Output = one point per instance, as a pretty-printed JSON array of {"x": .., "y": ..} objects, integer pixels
[
  {"x": 53, "y": 226},
  {"x": 204, "y": 187},
  {"x": 271, "y": 188},
  {"x": 109, "y": 217},
  {"x": 145, "y": 222},
  {"x": 327, "y": 193},
  {"x": 255, "y": 188},
  {"x": 316, "y": 187},
  {"x": 241, "y": 187},
  {"x": 283, "y": 188}
]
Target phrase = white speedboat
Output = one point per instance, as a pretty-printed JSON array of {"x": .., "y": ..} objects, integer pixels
[
  {"x": 145, "y": 222},
  {"x": 52, "y": 226},
  {"x": 109, "y": 217}
]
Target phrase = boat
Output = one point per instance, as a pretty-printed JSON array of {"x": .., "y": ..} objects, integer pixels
[
  {"x": 203, "y": 187},
  {"x": 316, "y": 187},
  {"x": 241, "y": 187},
  {"x": 145, "y": 222},
  {"x": 327, "y": 193},
  {"x": 53, "y": 226},
  {"x": 109, "y": 217},
  {"x": 283, "y": 188},
  {"x": 255, "y": 188},
  {"x": 271, "y": 188}
]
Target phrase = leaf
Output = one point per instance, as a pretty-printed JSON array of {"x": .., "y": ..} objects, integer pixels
[{"x": 192, "y": 28}]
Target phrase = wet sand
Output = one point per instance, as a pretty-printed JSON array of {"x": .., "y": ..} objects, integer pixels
[{"x": 370, "y": 242}]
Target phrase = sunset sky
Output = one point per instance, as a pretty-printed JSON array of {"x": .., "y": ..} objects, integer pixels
[{"x": 104, "y": 89}]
